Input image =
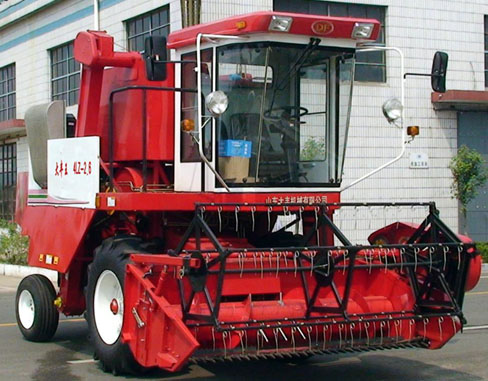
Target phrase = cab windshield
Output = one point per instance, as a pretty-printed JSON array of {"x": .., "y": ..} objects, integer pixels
[{"x": 288, "y": 114}]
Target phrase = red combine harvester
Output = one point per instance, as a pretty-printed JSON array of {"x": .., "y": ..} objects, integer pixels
[{"x": 191, "y": 218}]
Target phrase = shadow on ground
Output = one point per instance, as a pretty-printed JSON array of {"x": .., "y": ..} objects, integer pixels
[{"x": 72, "y": 343}]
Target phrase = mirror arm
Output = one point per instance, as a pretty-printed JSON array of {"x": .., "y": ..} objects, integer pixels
[{"x": 420, "y": 75}]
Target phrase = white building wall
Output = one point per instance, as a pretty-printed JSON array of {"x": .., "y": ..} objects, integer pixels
[
  {"x": 57, "y": 25},
  {"x": 419, "y": 28},
  {"x": 22, "y": 155},
  {"x": 27, "y": 43}
]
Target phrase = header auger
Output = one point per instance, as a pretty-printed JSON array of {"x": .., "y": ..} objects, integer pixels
[{"x": 195, "y": 209}]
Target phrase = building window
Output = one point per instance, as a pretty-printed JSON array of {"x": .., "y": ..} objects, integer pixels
[
  {"x": 486, "y": 51},
  {"x": 8, "y": 179},
  {"x": 7, "y": 92},
  {"x": 371, "y": 66},
  {"x": 152, "y": 23},
  {"x": 65, "y": 74}
]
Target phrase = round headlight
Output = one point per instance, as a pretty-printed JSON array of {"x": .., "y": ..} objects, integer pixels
[
  {"x": 216, "y": 102},
  {"x": 392, "y": 110}
]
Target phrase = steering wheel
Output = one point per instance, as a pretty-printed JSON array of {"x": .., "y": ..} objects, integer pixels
[{"x": 275, "y": 114}]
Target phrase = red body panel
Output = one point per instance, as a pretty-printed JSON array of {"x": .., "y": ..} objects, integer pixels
[
  {"x": 156, "y": 110},
  {"x": 128, "y": 121},
  {"x": 399, "y": 233},
  {"x": 164, "y": 340},
  {"x": 55, "y": 231},
  {"x": 172, "y": 201},
  {"x": 338, "y": 27},
  {"x": 95, "y": 50}
]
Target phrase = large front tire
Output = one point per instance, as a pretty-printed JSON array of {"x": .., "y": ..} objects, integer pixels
[
  {"x": 105, "y": 304},
  {"x": 37, "y": 317}
]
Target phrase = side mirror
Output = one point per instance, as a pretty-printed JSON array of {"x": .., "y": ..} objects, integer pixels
[
  {"x": 439, "y": 70},
  {"x": 155, "y": 55}
]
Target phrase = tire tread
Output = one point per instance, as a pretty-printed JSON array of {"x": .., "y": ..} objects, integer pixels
[
  {"x": 112, "y": 254},
  {"x": 47, "y": 318}
]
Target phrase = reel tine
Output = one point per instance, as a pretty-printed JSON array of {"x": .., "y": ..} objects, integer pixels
[
  {"x": 351, "y": 329},
  {"x": 425, "y": 321},
  {"x": 316, "y": 210},
  {"x": 416, "y": 252},
  {"x": 371, "y": 260},
  {"x": 301, "y": 333},
  {"x": 224, "y": 336},
  {"x": 262, "y": 264},
  {"x": 309, "y": 331},
  {"x": 431, "y": 251},
  {"x": 445, "y": 250},
  {"x": 397, "y": 330},
  {"x": 295, "y": 261},
  {"x": 236, "y": 211},
  {"x": 460, "y": 249},
  {"x": 219, "y": 212},
  {"x": 270, "y": 209},
  {"x": 325, "y": 328},
  {"x": 329, "y": 252},
  {"x": 411, "y": 323},
  {"x": 366, "y": 326},
  {"x": 312, "y": 257},
  {"x": 278, "y": 256},
  {"x": 440, "y": 321},
  {"x": 402, "y": 251},
  {"x": 340, "y": 335},
  {"x": 382, "y": 325}
]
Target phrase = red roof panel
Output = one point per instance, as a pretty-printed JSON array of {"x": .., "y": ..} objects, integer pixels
[{"x": 258, "y": 22}]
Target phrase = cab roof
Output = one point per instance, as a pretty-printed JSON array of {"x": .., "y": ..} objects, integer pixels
[{"x": 259, "y": 22}]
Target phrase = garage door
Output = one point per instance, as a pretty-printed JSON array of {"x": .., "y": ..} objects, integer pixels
[{"x": 473, "y": 132}]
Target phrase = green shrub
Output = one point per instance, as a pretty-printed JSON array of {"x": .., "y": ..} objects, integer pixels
[
  {"x": 483, "y": 249},
  {"x": 313, "y": 149},
  {"x": 13, "y": 245},
  {"x": 469, "y": 174}
]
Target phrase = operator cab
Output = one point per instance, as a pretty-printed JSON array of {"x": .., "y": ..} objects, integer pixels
[{"x": 287, "y": 104}]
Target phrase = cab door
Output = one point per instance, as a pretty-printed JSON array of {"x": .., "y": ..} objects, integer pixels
[{"x": 191, "y": 173}]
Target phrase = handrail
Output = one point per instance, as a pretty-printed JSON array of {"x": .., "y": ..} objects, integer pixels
[{"x": 404, "y": 142}]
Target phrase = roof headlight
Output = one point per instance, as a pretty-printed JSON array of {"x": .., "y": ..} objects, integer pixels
[
  {"x": 392, "y": 110},
  {"x": 362, "y": 30},
  {"x": 280, "y": 23},
  {"x": 217, "y": 102}
]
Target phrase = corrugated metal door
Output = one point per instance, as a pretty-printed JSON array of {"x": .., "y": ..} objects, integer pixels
[{"x": 473, "y": 132}]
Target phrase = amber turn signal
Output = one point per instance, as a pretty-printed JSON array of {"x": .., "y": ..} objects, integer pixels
[
  {"x": 187, "y": 125},
  {"x": 240, "y": 25},
  {"x": 380, "y": 241},
  {"x": 413, "y": 130}
]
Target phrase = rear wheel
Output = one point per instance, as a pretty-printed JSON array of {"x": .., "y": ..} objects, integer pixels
[
  {"x": 105, "y": 304},
  {"x": 37, "y": 317}
]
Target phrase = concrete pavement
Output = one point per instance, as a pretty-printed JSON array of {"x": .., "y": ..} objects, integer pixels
[{"x": 69, "y": 355}]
